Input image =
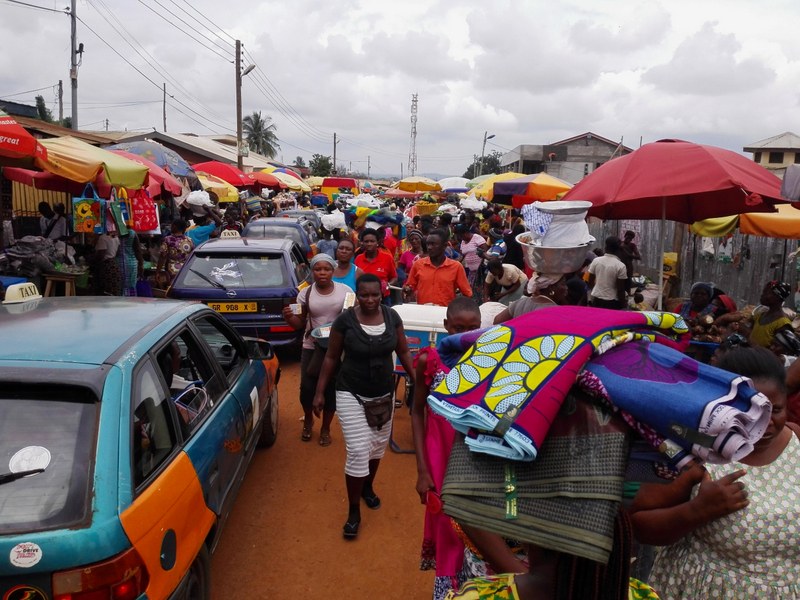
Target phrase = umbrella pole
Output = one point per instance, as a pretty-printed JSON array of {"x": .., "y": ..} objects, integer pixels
[{"x": 661, "y": 254}]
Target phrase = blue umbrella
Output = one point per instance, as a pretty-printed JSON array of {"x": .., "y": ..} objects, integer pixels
[{"x": 164, "y": 157}]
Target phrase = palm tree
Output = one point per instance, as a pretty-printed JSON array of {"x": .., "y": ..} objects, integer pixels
[{"x": 260, "y": 134}]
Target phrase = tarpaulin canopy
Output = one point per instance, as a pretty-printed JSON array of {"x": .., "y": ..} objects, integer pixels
[
  {"x": 74, "y": 159},
  {"x": 524, "y": 190},
  {"x": 784, "y": 224}
]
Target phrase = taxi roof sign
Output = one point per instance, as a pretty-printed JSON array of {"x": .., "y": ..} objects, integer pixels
[
  {"x": 230, "y": 233},
  {"x": 21, "y": 292}
]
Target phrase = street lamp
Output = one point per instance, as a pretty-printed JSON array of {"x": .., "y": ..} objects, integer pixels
[
  {"x": 483, "y": 151},
  {"x": 239, "y": 75}
]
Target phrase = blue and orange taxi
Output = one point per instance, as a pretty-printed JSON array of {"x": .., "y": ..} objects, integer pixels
[{"x": 126, "y": 428}]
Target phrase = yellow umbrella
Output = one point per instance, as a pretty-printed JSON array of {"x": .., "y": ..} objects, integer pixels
[
  {"x": 485, "y": 188},
  {"x": 783, "y": 224},
  {"x": 293, "y": 183},
  {"x": 417, "y": 184},
  {"x": 314, "y": 181},
  {"x": 76, "y": 160},
  {"x": 224, "y": 190}
]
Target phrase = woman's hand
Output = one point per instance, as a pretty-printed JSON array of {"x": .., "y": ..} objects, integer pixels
[
  {"x": 424, "y": 485},
  {"x": 722, "y": 497},
  {"x": 318, "y": 404}
]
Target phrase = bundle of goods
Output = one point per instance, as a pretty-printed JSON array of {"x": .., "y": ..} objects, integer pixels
[
  {"x": 357, "y": 216},
  {"x": 426, "y": 208},
  {"x": 558, "y": 236}
]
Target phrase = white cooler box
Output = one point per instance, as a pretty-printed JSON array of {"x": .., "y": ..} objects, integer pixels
[{"x": 423, "y": 323}]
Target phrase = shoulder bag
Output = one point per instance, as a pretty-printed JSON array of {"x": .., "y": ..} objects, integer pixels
[{"x": 378, "y": 411}]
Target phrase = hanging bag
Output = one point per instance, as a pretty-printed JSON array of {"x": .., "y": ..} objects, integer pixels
[
  {"x": 86, "y": 211},
  {"x": 144, "y": 213},
  {"x": 116, "y": 211}
]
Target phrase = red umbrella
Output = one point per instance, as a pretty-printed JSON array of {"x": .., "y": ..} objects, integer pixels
[
  {"x": 265, "y": 179},
  {"x": 679, "y": 181},
  {"x": 16, "y": 142},
  {"x": 225, "y": 172}
]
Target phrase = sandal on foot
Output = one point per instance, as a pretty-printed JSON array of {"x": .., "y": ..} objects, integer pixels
[
  {"x": 306, "y": 435},
  {"x": 372, "y": 500},
  {"x": 350, "y": 529},
  {"x": 325, "y": 438}
]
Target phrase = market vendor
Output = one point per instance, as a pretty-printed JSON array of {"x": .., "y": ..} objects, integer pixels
[
  {"x": 699, "y": 303},
  {"x": 769, "y": 318}
]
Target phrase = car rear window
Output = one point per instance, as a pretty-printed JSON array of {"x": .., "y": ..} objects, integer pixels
[
  {"x": 235, "y": 271},
  {"x": 52, "y": 428},
  {"x": 274, "y": 232}
]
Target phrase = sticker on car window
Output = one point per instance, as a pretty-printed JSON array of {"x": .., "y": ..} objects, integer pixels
[
  {"x": 25, "y": 555},
  {"x": 30, "y": 458}
]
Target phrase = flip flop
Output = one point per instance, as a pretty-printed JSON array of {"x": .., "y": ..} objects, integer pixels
[
  {"x": 325, "y": 438},
  {"x": 306, "y": 435},
  {"x": 350, "y": 529},
  {"x": 372, "y": 501}
]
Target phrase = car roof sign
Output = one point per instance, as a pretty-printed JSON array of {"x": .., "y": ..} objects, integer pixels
[{"x": 21, "y": 292}]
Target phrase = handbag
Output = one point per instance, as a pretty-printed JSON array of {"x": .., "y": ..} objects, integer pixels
[
  {"x": 86, "y": 211},
  {"x": 377, "y": 410}
]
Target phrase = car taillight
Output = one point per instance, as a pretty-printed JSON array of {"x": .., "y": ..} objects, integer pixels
[{"x": 123, "y": 577}]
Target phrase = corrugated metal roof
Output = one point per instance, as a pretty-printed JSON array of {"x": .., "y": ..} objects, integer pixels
[
  {"x": 783, "y": 141},
  {"x": 53, "y": 130}
]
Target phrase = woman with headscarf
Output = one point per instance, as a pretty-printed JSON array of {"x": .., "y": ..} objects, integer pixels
[
  {"x": 320, "y": 304},
  {"x": 545, "y": 289},
  {"x": 769, "y": 318},
  {"x": 416, "y": 250},
  {"x": 699, "y": 302}
]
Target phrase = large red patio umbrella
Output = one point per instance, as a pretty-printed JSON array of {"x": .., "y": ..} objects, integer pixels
[
  {"x": 225, "y": 172},
  {"x": 680, "y": 181},
  {"x": 265, "y": 179},
  {"x": 16, "y": 142}
]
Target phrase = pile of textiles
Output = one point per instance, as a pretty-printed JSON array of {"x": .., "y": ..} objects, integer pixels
[{"x": 509, "y": 385}]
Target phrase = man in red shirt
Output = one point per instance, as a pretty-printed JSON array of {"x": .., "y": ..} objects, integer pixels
[
  {"x": 435, "y": 278},
  {"x": 376, "y": 260}
]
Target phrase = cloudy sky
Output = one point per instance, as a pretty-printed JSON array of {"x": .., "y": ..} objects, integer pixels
[{"x": 723, "y": 72}]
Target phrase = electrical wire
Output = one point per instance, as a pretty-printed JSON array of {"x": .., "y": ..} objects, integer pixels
[
  {"x": 28, "y": 91},
  {"x": 204, "y": 17},
  {"x": 135, "y": 68},
  {"x": 36, "y": 6},
  {"x": 214, "y": 50},
  {"x": 155, "y": 65}
]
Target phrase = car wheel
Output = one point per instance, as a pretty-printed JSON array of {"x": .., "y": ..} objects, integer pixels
[
  {"x": 269, "y": 428},
  {"x": 198, "y": 583}
]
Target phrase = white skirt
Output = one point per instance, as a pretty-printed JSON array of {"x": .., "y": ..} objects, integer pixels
[{"x": 362, "y": 442}]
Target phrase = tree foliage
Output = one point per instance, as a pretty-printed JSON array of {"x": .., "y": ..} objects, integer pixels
[
  {"x": 491, "y": 164},
  {"x": 320, "y": 165},
  {"x": 300, "y": 161},
  {"x": 44, "y": 112},
  {"x": 260, "y": 134}
]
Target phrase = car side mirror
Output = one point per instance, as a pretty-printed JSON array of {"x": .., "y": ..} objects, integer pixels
[{"x": 258, "y": 349}]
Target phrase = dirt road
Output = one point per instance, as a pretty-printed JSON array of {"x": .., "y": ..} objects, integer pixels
[{"x": 284, "y": 537}]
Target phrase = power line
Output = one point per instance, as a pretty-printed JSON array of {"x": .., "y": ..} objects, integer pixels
[
  {"x": 48, "y": 87},
  {"x": 214, "y": 50},
  {"x": 135, "y": 68},
  {"x": 206, "y": 18},
  {"x": 155, "y": 65},
  {"x": 36, "y": 6}
]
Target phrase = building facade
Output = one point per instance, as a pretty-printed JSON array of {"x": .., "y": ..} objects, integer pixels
[{"x": 776, "y": 153}]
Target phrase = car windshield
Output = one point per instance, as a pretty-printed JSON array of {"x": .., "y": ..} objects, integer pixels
[
  {"x": 275, "y": 232},
  {"x": 235, "y": 271},
  {"x": 52, "y": 429}
]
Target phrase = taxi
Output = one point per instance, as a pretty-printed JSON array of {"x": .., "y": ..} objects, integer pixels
[{"x": 126, "y": 429}]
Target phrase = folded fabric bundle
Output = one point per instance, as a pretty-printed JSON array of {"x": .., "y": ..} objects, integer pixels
[
  {"x": 710, "y": 413},
  {"x": 508, "y": 387},
  {"x": 566, "y": 500}
]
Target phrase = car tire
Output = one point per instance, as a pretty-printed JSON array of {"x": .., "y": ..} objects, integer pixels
[
  {"x": 269, "y": 427},
  {"x": 198, "y": 581}
]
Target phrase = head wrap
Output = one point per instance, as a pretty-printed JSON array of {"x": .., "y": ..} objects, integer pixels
[
  {"x": 780, "y": 288},
  {"x": 414, "y": 233},
  {"x": 541, "y": 281},
  {"x": 727, "y": 302},
  {"x": 702, "y": 285},
  {"x": 322, "y": 257}
]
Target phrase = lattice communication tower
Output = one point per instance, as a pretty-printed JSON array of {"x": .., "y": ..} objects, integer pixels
[{"x": 412, "y": 152}]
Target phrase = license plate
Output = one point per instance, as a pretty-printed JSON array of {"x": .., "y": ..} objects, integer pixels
[{"x": 234, "y": 307}]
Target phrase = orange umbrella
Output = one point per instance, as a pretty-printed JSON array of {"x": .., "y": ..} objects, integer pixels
[{"x": 265, "y": 179}]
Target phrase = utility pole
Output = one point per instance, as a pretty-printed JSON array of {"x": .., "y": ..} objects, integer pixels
[
  {"x": 164, "y": 107},
  {"x": 401, "y": 170},
  {"x": 60, "y": 101},
  {"x": 412, "y": 152},
  {"x": 73, "y": 71},
  {"x": 368, "y": 167},
  {"x": 239, "y": 104},
  {"x": 106, "y": 124},
  {"x": 334, "y": 154}
]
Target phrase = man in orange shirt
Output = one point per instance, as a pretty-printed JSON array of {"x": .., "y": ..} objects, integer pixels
[{"x": 435, "y": 278}]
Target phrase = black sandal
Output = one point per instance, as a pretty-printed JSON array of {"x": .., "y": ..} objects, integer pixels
[
  {"x": 372, "y": 500},
  {"x": 350, "y": 529}
]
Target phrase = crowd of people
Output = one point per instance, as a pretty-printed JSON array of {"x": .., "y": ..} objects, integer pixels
[{"x": 727, "y": 529}]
